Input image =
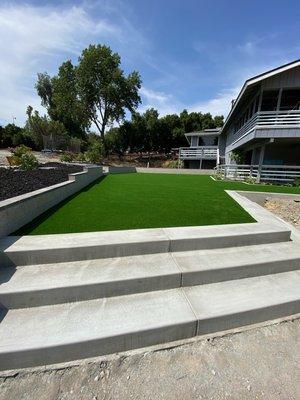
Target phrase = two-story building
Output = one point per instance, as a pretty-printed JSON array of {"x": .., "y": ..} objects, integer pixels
[
  {"x": 263, "y": 126},
  {"x": 203, "y": 152}
]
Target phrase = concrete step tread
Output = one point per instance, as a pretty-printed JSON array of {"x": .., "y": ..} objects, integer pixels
[
  {"x": 87, "y": 272},
  {"x": 170, "y": 265},
  {"x": 142, "y": 319},
  {"x": 85, "y": 239},
  {"x": 45, "y": 249},
  {"x": 231, "y": 257}
]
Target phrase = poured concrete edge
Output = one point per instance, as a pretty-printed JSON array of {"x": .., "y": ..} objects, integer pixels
[
  {"x": 20, "y": 210},
  {"x": 121, "y": 170},
  {"x": 45, "y": 249},
  {"x": 148, "y": 349},
  {"x": 253, "y": 202},
  {"x": 143, "y": 319}
]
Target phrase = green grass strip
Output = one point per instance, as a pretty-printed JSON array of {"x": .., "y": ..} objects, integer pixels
[{"x": 133, "y": 201}]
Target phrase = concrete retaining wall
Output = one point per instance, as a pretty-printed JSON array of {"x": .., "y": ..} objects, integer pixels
[
  {"x": 120, "y": 170},
  {"x": 20, "y": 210}
]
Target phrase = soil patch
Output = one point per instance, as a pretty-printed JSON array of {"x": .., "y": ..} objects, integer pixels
[{"x": 14, "y": 183}]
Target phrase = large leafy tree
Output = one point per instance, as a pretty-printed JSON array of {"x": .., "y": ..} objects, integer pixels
[
  {"x": 103, "y": 88},
  {"x": 59, "y": 96},
  {"x": 96, "y": 91},
  {"x": 68, "y": 107}
]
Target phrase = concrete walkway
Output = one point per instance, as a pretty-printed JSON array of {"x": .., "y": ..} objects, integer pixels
[{"x": 262, "y": 363}]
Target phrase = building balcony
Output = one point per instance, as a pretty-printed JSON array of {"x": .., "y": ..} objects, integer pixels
[
  {"x": 198, "y": 153},
  {"x": 267, "y": 124}
]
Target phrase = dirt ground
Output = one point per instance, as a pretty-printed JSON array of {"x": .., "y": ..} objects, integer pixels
[
  {"x": 262, "y": 363},
  {"x": 289, "y": 210},
  {"x": 134, "y": 159}
]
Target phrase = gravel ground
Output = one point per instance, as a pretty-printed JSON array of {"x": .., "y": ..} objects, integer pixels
[
  {"x": 262, "y": 363},
  {"x": 41, "y": 157},
  {"x": 289, "y": 210},
  {"x": 14, "y": 183}
]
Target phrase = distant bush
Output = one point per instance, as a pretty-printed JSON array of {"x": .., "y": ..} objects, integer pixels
[
  {"x": 23, "y": 158},
  {"x": 296, "y": 182},
  {"x": 20, "y": 150},
  {"x": 80, "y": 157},
  {"x": 28, "y": 162},
  {"x": 67, "y": 157},
  {"x": 94, "y": 152},
  {"x": 250, "y": 180},
  {"x": 172, "y": 164}
]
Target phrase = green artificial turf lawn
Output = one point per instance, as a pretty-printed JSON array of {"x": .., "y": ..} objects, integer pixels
[{"x": 131, "y": 201}]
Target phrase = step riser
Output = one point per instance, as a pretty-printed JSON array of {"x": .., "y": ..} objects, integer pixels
[
  {"x": 229, "y": 241},
  {"x": 97, "y": 347},
  {"x": 89, "y": 292},
  {"x": 115, "y": 344},
  {"x": 248, "y": 318},
  {"x": 37, "y": 298},
  {"x": 46, "y": 256},
  {"x": 244, "y": 271}
]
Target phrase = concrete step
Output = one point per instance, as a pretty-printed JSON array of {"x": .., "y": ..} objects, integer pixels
[
  {"x": 65, "y": 332},
  {"x": 45, "y": 249},
  {"x": 46, "y": 284}
]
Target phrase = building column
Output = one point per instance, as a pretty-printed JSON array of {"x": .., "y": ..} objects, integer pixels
[{"x": 260, "y": 163}]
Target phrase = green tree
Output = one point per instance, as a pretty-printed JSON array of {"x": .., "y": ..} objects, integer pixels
[
  {"x": 68, "y": 107},
  {"x": 44, "y": 89},
  {"x": 59, "y": 96},
  {"x": 13, "y": 135},
  {"x": 104, "y": 90},
  {"x": 42, "y": 128}
]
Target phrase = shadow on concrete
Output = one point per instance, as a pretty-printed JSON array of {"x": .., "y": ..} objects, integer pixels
[
  {"x": 28, "y": 228},
  {"x": 3, "y": 312}
]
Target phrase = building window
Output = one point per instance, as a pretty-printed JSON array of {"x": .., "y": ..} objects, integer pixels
[
  {"x": 290, "y": 99},
  {"x": 269, "y": 100}
]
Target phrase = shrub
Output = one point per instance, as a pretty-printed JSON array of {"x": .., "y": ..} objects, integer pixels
[
  {"x": 67, "y": 157},
  {"x": 23, "y": 157},
  {"x": 296, "y": 182},
  {"x": 28, "y": 162},
  {"x": 20, "y": 150},
  {"x": 250, "y": 180},
  {"x": 94, "y": 152},
  {"x": 218, "y": 176},
  {"x": 237, "y": 156},
  {"x": 172, "y": 164},
  {"x": 80, "y": 157}
]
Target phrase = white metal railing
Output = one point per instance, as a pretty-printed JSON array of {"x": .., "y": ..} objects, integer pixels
[
  {"x": 199, "y": 152},
  {"x": 263, "y": 173},
  {"x": 268, "y": 119}
]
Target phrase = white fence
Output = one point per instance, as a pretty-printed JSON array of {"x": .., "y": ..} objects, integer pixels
[
  {"x": 199, "y": 152},
  {"x": 263, "y": 173}
]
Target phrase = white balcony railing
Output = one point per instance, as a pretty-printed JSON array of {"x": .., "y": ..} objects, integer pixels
[
  {"x": 198, "y": 153},
  {"x": 263, "y": 173},
  {"x": 268, "y": 119}
]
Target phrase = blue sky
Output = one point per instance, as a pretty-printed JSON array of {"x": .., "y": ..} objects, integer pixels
[{"x": 191, "y": 54}]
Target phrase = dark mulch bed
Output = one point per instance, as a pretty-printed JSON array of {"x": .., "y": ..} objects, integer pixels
[{"x": 13, "y": 183}]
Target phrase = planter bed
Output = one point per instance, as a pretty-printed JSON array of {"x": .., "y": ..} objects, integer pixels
[{"x": 14, "y": 183}]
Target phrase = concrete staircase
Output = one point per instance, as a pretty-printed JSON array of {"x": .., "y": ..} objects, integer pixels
[{"x": 68, "y": 297}]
